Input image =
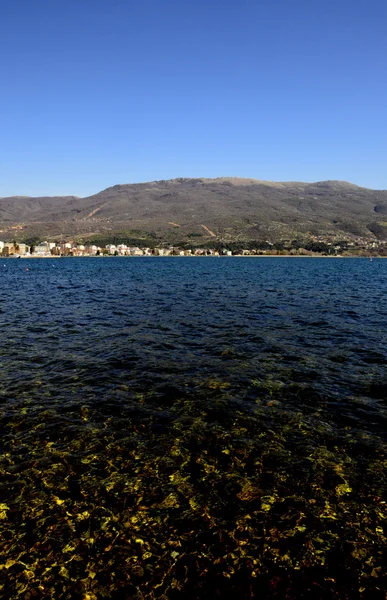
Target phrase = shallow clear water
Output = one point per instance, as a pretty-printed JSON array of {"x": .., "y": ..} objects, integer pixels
[{"x": 229, "y": 413}]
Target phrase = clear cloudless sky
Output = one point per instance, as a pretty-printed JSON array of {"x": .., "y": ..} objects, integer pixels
[{"x": 99, "y": 92}]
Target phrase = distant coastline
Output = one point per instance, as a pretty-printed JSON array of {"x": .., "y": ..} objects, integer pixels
[
  {"x": 205, "y": 256},
  {"x": 312, "y": 247}
]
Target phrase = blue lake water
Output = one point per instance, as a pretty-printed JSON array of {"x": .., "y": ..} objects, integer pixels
[{"x": 193, "y": 427}]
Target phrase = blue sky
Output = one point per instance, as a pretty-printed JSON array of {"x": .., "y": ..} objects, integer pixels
[{"x": 99, "y": 92}]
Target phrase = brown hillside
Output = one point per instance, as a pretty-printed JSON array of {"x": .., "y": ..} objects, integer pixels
[{"x": 228, "y": 208}]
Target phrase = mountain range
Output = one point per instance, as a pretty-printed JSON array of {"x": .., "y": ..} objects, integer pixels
[{"x": 201, "y": 211}]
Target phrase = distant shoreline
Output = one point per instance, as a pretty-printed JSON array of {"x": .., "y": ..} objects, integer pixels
[{"x": 196, "y": 256}]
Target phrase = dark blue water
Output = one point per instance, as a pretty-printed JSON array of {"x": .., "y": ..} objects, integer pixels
[{"x": 229, "y": 413}]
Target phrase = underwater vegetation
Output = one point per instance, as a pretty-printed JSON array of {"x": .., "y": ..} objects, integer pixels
[{"x": 187, "y": 492}]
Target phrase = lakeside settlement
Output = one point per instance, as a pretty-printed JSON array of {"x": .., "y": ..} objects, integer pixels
[{"x": 315, "y": 246}]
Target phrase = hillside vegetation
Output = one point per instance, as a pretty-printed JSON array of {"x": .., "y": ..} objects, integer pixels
[{"x": 201, "y": 210}]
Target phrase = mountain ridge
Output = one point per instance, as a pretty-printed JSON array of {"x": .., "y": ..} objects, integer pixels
[{"x": 178, "y": 209}]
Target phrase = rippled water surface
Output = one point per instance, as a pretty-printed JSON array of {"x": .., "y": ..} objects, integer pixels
[{"x": 193, "y": 428}]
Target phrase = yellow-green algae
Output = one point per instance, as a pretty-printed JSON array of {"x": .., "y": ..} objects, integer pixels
[{"x": 210, "y": 498}]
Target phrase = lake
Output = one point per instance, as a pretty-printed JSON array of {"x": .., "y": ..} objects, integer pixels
[{"x": 187, "y": 427}]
